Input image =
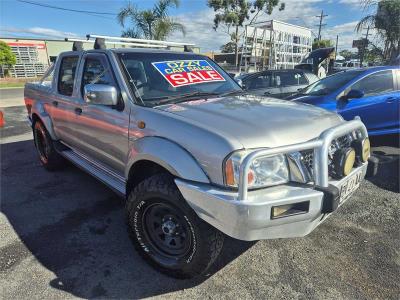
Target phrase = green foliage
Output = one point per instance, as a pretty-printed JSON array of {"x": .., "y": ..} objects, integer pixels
[
  {"x": 233, "y": 14},
  {"x": 347, "y": 54},
  {"x": 7, "y": 58},
  {"x": 386, "y": 21},
  {"x": 228, "y": 47},
  {"x": 321, "y": 44},
  {"x": 154, "y": 23}
]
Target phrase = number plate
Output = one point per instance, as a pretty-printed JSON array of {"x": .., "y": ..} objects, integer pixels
[{"x": 350, "y": 185}]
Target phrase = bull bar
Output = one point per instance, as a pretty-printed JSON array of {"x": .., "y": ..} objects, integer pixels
[{"x": 320, "y": 147}]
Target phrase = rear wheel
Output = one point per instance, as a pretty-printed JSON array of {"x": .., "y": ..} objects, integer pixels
[
  {"x": 48, "y": 155},
  {"x": 167, "y": 232}
]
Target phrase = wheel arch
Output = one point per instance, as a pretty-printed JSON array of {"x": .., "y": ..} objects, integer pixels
[
  {"x": 46, "y": 120},
  {"x": 151, "y": 155}
]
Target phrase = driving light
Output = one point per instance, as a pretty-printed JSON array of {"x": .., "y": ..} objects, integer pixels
[
  {"x": 263, "y": 172},
  {"x": 363, "y": 149},
  {"x": 344, "y": 160}
]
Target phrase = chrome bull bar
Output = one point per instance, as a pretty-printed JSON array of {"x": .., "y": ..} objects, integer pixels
[{"x": 320, "y": 147}]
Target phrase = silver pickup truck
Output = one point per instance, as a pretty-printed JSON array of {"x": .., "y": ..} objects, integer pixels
[{"x": 196, "y": 157}]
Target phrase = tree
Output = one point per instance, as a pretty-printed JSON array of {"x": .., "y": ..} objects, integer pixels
[
  {"x": 152, "y": 23},
  {"x": 321, "y": 44},
  {"x": 7, "y": 58},
  {"x": 347, "y": 54},
  {"x": 233, "y": 13},
  {"x": 228, "y": 47},
  {"x": 386, "y": 21}
]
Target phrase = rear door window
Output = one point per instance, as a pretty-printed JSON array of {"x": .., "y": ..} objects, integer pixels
[
  {"x": 66, "y": 77},
  {"x": 377, "y": 83},
  {"x": 261, "y": 81},
  {"x": 290, "y": 78}
]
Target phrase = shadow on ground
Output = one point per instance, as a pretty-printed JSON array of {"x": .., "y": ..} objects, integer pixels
[{"x": 75, "y": 227}]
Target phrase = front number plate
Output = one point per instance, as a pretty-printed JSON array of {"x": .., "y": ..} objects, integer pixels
[{"x": 350, "y": 185}]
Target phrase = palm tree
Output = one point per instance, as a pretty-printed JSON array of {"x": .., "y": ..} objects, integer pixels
[
  {"x": 387, "y": 23},
  {"x": 152, "y": 23}
]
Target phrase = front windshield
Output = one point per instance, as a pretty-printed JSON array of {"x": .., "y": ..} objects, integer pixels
[
  {"x": 330, "y": 84},
  {"x": 158, "y": 78}
]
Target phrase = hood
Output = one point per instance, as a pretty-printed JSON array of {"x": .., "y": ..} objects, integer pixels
[{"x": 257, "y": 121}]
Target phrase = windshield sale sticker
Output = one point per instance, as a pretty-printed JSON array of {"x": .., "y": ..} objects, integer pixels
[{"x": 184, "y": 72}]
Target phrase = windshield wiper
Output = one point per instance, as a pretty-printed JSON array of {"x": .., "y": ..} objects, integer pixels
[{"x": 182, "y": 98}]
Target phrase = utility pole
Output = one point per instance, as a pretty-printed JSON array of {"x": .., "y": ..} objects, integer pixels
[
  {"x": 337, "y": 42},
  {"x": 321, "y": 17},
  {"x": 364, "y": 46}
]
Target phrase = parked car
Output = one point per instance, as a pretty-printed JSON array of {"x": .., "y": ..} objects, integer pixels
[
  {"x": 276, "y": 83},
  {"x": 371, "y": 93},
  {"x": 194, "y": 155}
]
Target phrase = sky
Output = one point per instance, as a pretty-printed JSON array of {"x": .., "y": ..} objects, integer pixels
[{"x": 21, "y": 19}]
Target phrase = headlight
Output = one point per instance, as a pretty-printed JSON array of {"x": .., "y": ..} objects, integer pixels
[{"x": 263, "y": 172}]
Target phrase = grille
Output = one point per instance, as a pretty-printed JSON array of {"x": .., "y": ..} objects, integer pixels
[{"x": 307, "y": 156}]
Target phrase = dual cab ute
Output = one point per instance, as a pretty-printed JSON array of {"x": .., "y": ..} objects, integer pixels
[{"x": 196, "y": 157}]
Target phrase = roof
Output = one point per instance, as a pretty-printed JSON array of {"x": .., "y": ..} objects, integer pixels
[{"x": 378, "y": 68}]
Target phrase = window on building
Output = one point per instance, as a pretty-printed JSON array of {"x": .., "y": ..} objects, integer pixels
[{"x": 66, "y": 76}]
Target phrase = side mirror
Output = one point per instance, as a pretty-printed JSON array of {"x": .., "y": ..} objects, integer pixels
[
  {"x": 354, "y": 94},
  {"x": 100, "y": 94},
  {"x": 240, "y": 82}
]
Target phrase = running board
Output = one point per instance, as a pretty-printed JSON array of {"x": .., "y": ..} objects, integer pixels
[{"x": 108, "y": 177}]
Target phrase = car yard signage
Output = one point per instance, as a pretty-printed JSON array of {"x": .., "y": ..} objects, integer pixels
[{"x": 185, "y": 72}]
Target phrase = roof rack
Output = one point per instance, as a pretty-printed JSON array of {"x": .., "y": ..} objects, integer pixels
[{"x": 101, "y": 41}]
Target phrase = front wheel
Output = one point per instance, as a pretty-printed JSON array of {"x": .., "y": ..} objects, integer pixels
[{"x": 166, "y": 231}]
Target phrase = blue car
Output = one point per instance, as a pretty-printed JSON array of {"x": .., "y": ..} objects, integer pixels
[{"x": 371, "y": 93}]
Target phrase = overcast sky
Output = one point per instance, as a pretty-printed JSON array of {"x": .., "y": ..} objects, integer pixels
[{"x": 22, "y": 19}]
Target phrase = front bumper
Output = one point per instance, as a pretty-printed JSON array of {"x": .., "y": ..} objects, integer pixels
[
  {"x": 247, "y": 215},
  {"x": 251, "y": 219}
]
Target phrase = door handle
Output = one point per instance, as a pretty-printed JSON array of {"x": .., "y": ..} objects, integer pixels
[
  {"x": 78, "y": 110},
  {"x": 55, "y": 103},
  {"x": 267, "y": 93}
]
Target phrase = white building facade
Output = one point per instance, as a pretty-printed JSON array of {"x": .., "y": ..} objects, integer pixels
[{"x": 274, "y": 45}]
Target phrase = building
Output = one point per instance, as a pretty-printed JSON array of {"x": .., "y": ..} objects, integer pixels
[
  {"x": 35, "y": 55},
  {"x": 274, "y": 45}
]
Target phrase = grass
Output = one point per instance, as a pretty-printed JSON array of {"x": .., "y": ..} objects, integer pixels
[{"x": 11, "y": 84}]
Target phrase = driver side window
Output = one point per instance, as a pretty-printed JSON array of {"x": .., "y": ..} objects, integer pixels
[
  {"x": 374, "y": 84},
  {"x": 96, "y": 71}
]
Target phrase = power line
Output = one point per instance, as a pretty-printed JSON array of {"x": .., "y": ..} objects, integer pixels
[
  {"x": 92, "y": 13},
  {"x": 321, "y": 17}
]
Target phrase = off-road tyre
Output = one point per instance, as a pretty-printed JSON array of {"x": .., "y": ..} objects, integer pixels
[
  {"x": 205, "y": 241},
  {"x": 48, "y": 155}
]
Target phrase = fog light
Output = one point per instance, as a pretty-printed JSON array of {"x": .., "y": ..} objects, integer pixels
[
  {"x": 344, "y": 160},
  {"x": 363, "y": 149},
  {"x": 289, "y": 209}
]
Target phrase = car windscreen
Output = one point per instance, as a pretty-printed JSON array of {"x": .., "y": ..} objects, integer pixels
[
  {"x": 158, "y": 78},
  {"x": 331, "y": 83}
]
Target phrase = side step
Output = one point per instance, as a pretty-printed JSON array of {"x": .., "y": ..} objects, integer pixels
[{"x": 108, "y": 177}]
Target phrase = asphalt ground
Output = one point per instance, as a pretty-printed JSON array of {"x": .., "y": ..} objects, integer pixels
[{"x": 63, "y": 235}]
